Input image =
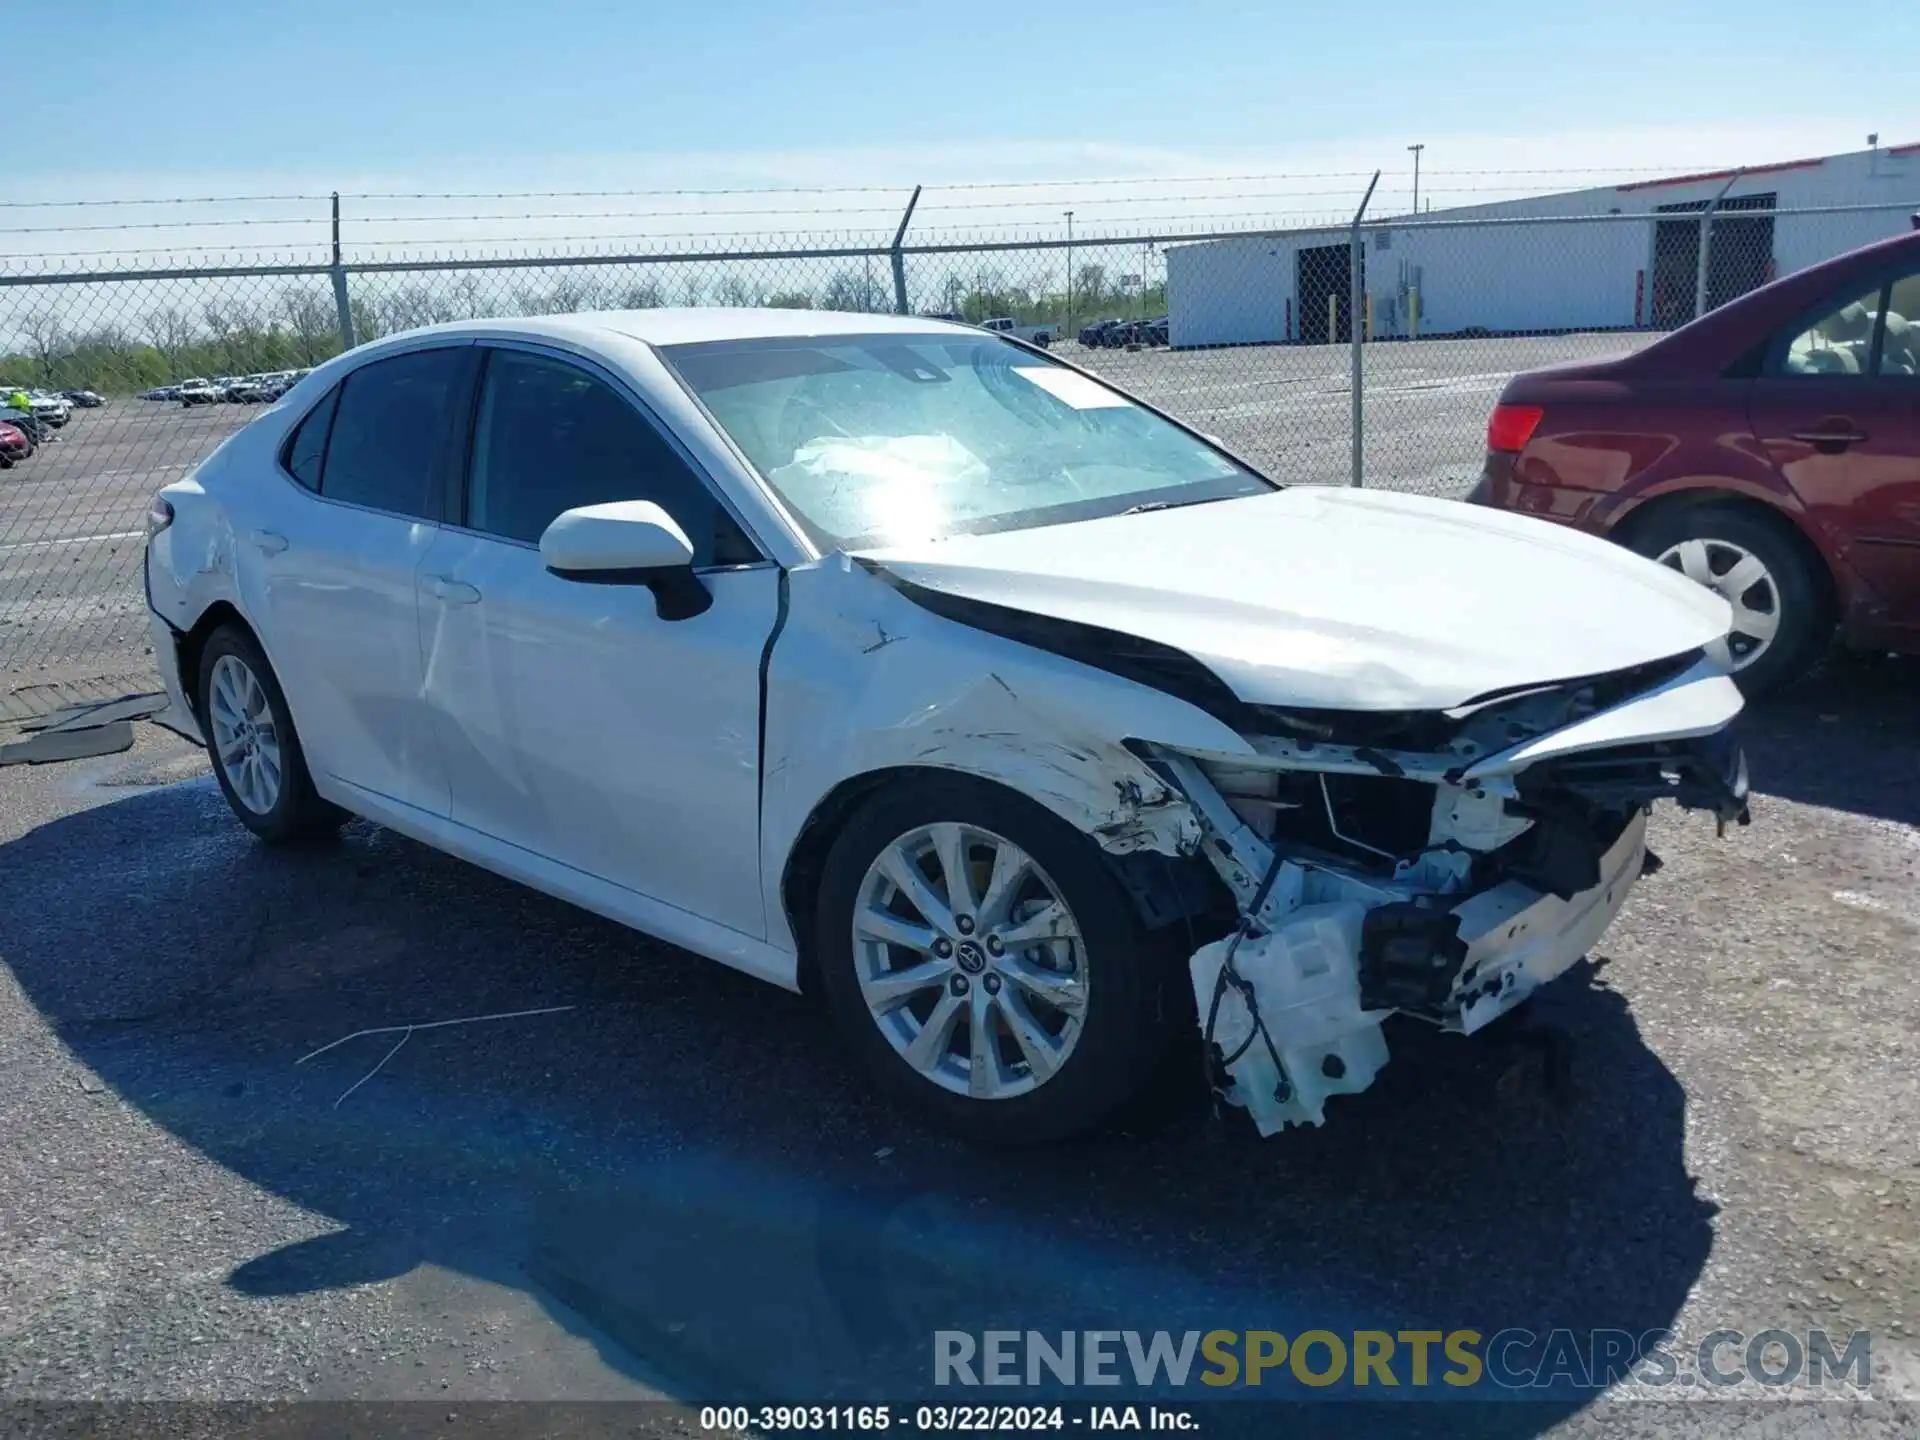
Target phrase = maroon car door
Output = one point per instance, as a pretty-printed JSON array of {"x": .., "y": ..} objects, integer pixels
[{"x": 1837, "y": 410}]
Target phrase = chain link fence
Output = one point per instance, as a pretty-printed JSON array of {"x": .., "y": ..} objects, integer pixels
[{"x": 1257, "y": 338}]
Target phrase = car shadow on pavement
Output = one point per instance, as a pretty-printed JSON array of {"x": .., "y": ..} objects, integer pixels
[
  {"x": 683, "y": 1168},
  {"x": 1847, "y": 738}
]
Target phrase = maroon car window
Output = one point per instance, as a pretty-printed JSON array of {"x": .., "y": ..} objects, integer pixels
[
  {"x": 1900, "y": 344},
  {"x": 1839, "y": 342}
]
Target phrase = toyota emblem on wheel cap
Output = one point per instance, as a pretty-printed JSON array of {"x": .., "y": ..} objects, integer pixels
[{"x": 971, "y": 957}]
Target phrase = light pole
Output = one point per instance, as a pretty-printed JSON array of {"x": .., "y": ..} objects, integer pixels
[
  {"x": 1069, "y": 325},
  {"x": 1416, "y": 149}
]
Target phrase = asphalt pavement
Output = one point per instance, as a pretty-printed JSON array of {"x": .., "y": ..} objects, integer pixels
[{"x": 673, "y": 1183}]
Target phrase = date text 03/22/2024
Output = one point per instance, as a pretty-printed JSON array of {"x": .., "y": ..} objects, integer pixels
[{"x": 991, "y": 1419}]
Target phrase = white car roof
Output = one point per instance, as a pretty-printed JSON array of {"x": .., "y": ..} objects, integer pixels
[{"x": 690, "y": 324}]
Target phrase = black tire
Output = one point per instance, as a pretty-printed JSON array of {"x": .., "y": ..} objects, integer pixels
[
  {"x": 298, "y": 812},
  {"x": 1805, "y": 616},
  {"x": 1130, "y": 1000}
]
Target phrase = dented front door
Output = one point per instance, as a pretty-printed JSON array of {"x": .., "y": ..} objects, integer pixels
[{"x": 577, "y": 724}]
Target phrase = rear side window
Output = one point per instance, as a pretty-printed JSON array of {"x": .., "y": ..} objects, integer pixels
[
  {"x": 307, "y": 446},
  {"x": 387, "y": 429}
]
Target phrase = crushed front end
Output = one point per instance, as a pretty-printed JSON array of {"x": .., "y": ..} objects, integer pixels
[{"x": 1440, "y": 865}]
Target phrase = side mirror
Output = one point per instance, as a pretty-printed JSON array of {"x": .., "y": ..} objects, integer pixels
[{"x": 627, "y": 542}]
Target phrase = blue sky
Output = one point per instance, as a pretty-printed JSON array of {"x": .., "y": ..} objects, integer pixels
[
  {"x": 151, "y": 97},
  {"x": 352, "y": 85}
]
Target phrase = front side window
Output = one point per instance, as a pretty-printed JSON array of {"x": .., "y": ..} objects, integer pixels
[
  {"x": 550, "y": 437},
  {"x": 1839, "y": 342},
  {"x": 387, "y": 429},
  {"x": 876, "y": 438}
]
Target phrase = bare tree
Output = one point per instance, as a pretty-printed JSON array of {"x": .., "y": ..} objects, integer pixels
[
  {"x": 571, "y": 293},
  {"x": 311, "y": 317},
  {"x": 46, "y": 339},
  {"x": 412, "y": 306},
  {"x": 171, "y": 332},
  {"x": 469, "y": 303},
  {"x": 851, "y": 290}
]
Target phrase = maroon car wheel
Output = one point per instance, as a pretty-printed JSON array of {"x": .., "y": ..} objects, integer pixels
[{"x": 1781, "y": 620}]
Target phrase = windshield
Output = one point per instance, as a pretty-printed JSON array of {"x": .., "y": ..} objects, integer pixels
[{"x": 883, "y": 438}]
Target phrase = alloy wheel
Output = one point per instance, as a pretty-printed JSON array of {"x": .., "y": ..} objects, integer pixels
[
  {"x": 244, "y": 735},
  {"x": 970, "y": 961}
]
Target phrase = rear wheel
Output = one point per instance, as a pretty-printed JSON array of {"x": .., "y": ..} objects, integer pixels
[
  {"x": 255, "y": 750},
  {"x": 1780, "y": 619},
  {"x": 983, "y": 964}
]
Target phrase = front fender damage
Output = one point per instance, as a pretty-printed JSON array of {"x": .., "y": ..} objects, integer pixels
[{"x": 997, "y": 732}]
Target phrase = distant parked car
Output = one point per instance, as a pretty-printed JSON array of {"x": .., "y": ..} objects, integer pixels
[
  {"x": 249, "y": 389},
  {"x": 1041, "y": 335},
  {"x": 1154, "y": 332},
  {"x": 51, "y": 409},
  {"x": 1769, "y": 450},
  {"x": 198, "y": 392},
  {"x": 1094, "y": 334},
  {"x": 14, "y": 446},
  {"x": 85, "y": 399}
]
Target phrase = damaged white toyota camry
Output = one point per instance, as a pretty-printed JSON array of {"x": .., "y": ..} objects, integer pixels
[{"x": 897, "y": 659}]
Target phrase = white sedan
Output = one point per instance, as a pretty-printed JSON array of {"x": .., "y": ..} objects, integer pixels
[{"x": 895, "y": 659}]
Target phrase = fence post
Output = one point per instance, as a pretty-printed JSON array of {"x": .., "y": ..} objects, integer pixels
[
  {"x": 1706, "y": 244},
  {"x": 899, "y": 259},
  {"x": 1355, "y": 260},
  {"x": 340, "y": 305}
]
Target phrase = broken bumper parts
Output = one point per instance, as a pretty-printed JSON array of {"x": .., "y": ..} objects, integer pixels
[{"x": 1519, "y": 879}]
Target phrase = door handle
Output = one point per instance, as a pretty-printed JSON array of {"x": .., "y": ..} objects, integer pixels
[
  {"x": 268, "y": 542},
  {"x": 1829, "y": 442},
  {"x": 454, "y": 592}
]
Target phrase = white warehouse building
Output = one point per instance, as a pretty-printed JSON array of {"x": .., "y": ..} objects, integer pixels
[{"x": 1485, "y": 269}]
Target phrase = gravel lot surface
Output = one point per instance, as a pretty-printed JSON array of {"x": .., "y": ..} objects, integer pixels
[{"x": 678, "y": 1187}]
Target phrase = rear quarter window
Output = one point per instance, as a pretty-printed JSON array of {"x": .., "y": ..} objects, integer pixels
[{"x": 306, "y": 447}]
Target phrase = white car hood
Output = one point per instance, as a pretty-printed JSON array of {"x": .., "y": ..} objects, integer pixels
[{"x": 1340, "y": 599}]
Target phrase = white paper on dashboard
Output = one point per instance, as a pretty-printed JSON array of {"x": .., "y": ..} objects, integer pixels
[{"x": 1072, "y": 388}]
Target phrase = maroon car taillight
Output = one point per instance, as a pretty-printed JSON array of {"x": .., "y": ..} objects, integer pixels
[{"x": 1511, "y": 426}]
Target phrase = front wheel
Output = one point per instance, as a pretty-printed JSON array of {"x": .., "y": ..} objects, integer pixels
[
  {"x": 1781, "y": 622},
  {"x": 984, "y": 965},
  {"x": 255, "y": 750}
]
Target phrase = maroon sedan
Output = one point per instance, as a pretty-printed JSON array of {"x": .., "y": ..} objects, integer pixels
[
  {"x": 1770, "y": 450},
  {"x": 13, "y": 445}
]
